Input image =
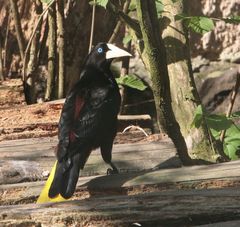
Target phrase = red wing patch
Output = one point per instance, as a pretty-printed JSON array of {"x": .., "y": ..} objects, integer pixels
[
  {"x": 72, "y": 136},
  {"x": 78, "y": 106}
]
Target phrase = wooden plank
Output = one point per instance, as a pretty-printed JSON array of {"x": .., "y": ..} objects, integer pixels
[
  {"x": 235, "y": 223},
  {"x": 168, "y": 208},
  {"x": 218, "y": 175},
  {"x": 39, "y": 153}
]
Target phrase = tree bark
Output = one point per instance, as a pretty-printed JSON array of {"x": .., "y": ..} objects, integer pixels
[
  {"x": 61, "y": 48},
  {"x": 183, "y": 89},
  {"x": 156, "y": 53},
  {"x": 51, "y": 52},
  {"x": 17, "y": 23},
  {"x": 33, "y": 60},
  {"x": 1, "y": 60}
]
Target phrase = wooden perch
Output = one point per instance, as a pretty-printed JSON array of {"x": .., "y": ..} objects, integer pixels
[
  {"x": 39, "y": 153},
  {"x": 156, "y": 208},
  {"x": 136, "y": 195}
]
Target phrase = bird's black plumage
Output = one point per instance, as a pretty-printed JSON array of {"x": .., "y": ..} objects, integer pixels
[{"x": 88, "y": 120}]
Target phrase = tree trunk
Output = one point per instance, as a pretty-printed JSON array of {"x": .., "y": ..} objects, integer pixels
[
  {"x": 156, "y": 53},
  {"x": 17, "y": 23},
  {"x": 1, "y": 60},
  {"x": 183, "y": 89},
  {"x": 33, "y": 60},
  {"x": 51, "y": 52},
  {"x": 61, "y": 48}
]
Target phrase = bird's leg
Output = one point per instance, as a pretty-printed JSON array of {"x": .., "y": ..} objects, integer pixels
[
  {"x": 106, "y": 151},
  {"x": 112, "y": 171}
]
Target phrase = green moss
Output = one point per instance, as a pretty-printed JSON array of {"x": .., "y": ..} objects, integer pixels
[{"x": 203, "y": 150}]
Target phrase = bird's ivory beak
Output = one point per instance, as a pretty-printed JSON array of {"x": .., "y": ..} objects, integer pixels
[{"x": 115, "y": 52}]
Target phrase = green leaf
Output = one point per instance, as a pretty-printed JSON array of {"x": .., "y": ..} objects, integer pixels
[
  {"x": 201, "y": 24},
  {"x": 232, "y": 20},
  {"x": 132, "y": 5},
  {"x": 131, "y": 81},
  {"x": 102, "y": 3},
  {"x": 216, "y": 134},
  {"x": 232, "y": 142},
  {"x": 46, "y": 1},
  {"x": 198, "y": 117},
  {"x": 198, "y": 24},
  {"x": 230, "y": 150},
  {"x": 232, "y": 133},
  {"x": 159, "y": 7},
  {"x": 218, "y": 122},
  {"x": 127, "y": 39},
  {"x": 236, "y": 115}
]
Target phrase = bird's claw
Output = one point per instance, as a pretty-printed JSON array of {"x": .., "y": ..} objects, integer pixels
[{"x": 112, "y": 171}]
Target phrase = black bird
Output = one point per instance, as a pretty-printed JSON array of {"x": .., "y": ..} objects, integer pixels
[{"x": 88, "y": 119}]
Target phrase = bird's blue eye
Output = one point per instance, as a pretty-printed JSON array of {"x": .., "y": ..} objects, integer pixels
[{"x": 100, "y": 50}]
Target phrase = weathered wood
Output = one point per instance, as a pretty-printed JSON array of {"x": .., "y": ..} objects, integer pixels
[
  {"x": 235, "y": 223},
  {"x": 94, "y": 204},
  {"x": 218, "y": 175},
  {"x": 169, "y": 208},
  {"x": 39, "y": 154}
]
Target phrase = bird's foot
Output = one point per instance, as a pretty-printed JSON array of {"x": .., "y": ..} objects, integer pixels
[{"x": 112, "y": 171}]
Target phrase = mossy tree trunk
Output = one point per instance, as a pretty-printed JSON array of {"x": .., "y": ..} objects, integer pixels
[
  {"x": 184, "y": 94},
  {"x": 157, "y": 61}
]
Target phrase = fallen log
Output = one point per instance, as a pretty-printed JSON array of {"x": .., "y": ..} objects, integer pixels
[{"x": 167, "y": 208}]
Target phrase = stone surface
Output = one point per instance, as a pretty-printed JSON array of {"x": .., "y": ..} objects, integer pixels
[
  {"x": 215, "y": 90},
  {"x": 223, "y": 42}
]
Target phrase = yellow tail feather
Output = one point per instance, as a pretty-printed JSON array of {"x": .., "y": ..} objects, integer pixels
[{"x": 43, "y": 198}]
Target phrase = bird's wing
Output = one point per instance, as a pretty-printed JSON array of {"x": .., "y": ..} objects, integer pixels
[
  {"x": 70, "y": 113},
  {"x": 81, "y": 115}
]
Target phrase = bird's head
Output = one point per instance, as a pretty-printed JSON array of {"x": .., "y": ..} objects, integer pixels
[{"x": 103, "y": 53}]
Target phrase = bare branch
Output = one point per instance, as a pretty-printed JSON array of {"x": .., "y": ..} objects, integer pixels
[
  {"x": 119, "y": 23},
  {"x": 92, "y": 26}
]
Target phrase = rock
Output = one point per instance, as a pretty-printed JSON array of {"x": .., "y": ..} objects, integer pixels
[
  {"x": 223, "y": 41},
  {"x": 15, "y": 171},
  {"x": 215, "y": 92},
  {"x": 236, "y": 58},
  {"x": 199, "y": 62}
]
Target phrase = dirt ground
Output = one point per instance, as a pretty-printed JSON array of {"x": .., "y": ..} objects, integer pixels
[{"x": 18, "y": 120}]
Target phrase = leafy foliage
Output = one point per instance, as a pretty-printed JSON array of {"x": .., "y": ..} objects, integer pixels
[
  {"x": 217, "y": 123},
  {"x": 198, "y": 117},
  {"x": 232, "y": 142},
  {"x": 131, "y": 81},
  {"x": 199, "y": 24},
  {"x": 232, "y": 20},
  {"x": 46, "y": 1},
  {"x": 102, "y": 3},
  {"x": 132, "y": 5},
  {"x": 159, "y": 7}
]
